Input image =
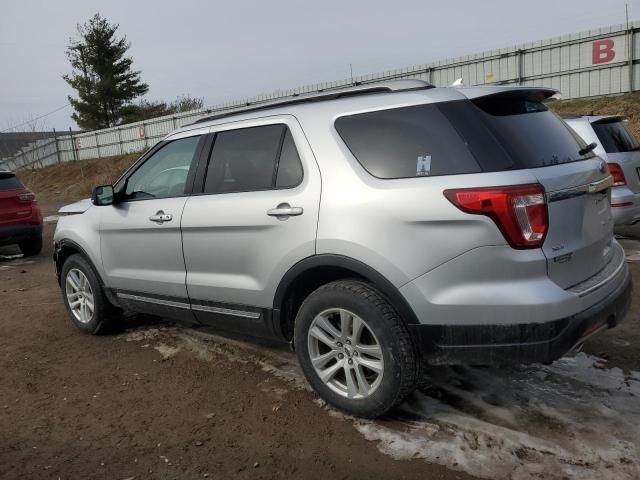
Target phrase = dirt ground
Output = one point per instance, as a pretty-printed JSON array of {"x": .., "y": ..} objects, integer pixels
[{"x": 154, "y": 401}]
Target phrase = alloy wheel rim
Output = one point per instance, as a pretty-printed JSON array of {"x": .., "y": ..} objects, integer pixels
[
  {"x": 345, "y": 353},
  {"x": 79, "y": 295}
]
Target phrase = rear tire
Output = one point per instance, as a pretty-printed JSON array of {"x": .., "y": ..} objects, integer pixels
[
  {"x": 84, "y": 297},
  {"x": 365, "y": 372},
  {"x": 31, "y": 247}
]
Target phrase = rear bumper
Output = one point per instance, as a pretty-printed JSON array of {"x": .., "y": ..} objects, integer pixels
[
  {"x": 625, "y": 206},
  {"x": 11, "y": 234},
  {"x": 521, "y": 343}
]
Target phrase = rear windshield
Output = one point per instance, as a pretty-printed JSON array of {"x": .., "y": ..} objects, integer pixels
[
  {"x": 615, "y": 137},
  {"x": 494, "y": 133},
  {"x": 9, "y": 182}
]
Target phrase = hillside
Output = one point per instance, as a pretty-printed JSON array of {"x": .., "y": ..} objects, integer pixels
[
  {"x": 627, "y": 105},
  {"x": 75, "y": 180}
]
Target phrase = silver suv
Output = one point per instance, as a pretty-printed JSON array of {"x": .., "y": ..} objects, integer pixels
[
  {"x": 617, "y": 145},
  {"x": 378, "y": 229}
]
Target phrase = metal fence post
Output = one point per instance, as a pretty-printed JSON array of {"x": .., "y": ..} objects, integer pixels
[
  {"x": 73, "y": 146},
  {"x": 97, "y": 143},
  {"x": 120, "y": 140},
  {"x": 631, "y": 75},
  {"x": 55, "y": 139}
]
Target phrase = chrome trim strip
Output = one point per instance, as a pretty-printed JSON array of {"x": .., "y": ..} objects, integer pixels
[
  {"x": 157, "y": 301},
  {"x": 601, "y": 284},
  {"x": 580, "y": 190},
  {"x": 225, "y": 311}
]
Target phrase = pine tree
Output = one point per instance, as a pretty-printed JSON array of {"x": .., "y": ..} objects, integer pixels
[{"x": 102, "y": 75}]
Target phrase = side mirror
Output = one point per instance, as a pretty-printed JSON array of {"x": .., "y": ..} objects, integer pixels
[{"x": 102, "y": 195}]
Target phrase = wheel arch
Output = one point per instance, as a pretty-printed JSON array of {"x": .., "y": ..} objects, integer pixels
[
  {"x": 313, "y": 272},
  {"x": 64, "y": 249}
]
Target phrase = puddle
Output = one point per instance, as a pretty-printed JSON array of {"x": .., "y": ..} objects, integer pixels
[{"x": 564, "y": 421}]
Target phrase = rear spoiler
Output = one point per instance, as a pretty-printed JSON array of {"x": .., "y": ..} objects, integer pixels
[
  {"x": 538, "y": 94},
  {"x": 610, "y": 119}
]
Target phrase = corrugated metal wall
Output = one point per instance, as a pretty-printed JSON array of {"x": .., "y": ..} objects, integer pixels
[{"x": 605, "y": 61}]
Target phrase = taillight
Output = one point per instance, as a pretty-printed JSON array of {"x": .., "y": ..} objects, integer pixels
[
  {"x": 617, "y": 174},
  {"x": 520, "y": 212},
  {"x": 26, "y": 197}
]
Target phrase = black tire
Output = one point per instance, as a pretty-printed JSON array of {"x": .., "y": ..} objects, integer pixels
[
  {"x": 105, "y": 315},
  {"x": 31, "y": 247},
  {"x": 400, "y": 360}
]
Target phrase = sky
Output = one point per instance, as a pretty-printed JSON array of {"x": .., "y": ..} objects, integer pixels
[{"x": 226, "y": 50}]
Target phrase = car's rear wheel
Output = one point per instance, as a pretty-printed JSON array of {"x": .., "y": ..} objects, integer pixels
[
  {"x": 31, "y": 247},
  {"x": 354, "y": 349},
  {"x": 84, "y": 297}
]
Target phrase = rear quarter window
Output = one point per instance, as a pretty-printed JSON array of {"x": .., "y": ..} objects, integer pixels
[
  {"x": 9, "y": 182},
  {"x": 406, "y": 142}
]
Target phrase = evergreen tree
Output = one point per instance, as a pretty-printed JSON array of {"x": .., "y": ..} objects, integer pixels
[{"x": 102, "y": 75}]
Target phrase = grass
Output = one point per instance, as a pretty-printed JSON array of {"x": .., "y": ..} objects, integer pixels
[
  {"x": 70, "y": 181},
  {"x": 627, "y": 105}
]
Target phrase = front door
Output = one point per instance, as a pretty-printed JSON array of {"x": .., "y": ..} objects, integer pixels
[{"x": 140, "y": 235}]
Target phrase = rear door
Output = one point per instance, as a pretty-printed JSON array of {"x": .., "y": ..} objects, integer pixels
[
  {"x": 621, "y": 147},
  {"x": 256, "y": 217}
]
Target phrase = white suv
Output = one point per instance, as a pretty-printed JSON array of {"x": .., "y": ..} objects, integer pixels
[{"x": 376, "y": 228}]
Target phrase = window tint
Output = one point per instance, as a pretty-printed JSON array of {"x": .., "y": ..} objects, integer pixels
[
  {"x": 530, "y": 133},
  {"x": 406, "y": 142},
  {"x": 164, "y": 174},
  {"x": 255, "y": 158},
  {"x": 9, "y": 182},
  {"x": 289, "y": 168},
  {"x": 615, "y": 137},
  {"x": 493, "y": 133}
]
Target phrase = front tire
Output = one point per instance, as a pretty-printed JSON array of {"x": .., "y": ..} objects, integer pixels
[
  {"x": 84, "y": 297},
  {"x": 354, "y": 349}
]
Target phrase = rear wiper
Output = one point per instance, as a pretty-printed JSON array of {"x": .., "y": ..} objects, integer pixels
[{"x": 587, "y": 149}]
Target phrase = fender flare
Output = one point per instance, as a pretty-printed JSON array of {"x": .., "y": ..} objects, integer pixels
[{"x": 379, "y": 281}]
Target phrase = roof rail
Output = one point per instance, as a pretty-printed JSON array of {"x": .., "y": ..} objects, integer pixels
[{"x": 401, "y": 85}]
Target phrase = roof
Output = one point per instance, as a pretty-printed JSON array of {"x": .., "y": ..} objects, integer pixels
[
  {"x": 337, "y": 101},
  {"x": 402, "y": 85}
]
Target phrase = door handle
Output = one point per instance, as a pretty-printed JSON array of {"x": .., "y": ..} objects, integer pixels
[
  {"x": 160, "y": 217},
  {"x": 284, "y": 211}
]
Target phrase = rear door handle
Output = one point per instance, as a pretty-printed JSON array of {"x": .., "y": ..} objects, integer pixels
[
  {"x": 160, "y": 217},
  {"x": 284, "y": 211}
]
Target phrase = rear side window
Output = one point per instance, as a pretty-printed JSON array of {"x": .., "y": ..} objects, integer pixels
[
  {"x": 406, "y": 142},
  {"x": 494, "y": 133},
  {"x": 615, "y": 137},
  {"x": 255, "y": 158},
  {"x": 9, "y": 182}
]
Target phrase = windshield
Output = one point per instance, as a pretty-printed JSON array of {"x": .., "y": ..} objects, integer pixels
[
  {"x": 615, "y": 136},
  {"x": 531, "y": 134}
]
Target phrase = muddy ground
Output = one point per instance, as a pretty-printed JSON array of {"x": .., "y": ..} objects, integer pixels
[{"x": 156, "y": 401}]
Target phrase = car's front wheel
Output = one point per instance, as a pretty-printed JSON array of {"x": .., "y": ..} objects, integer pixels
[
  {"x": 354, "y": 349},
  {"x": 84, "y": 297}
]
